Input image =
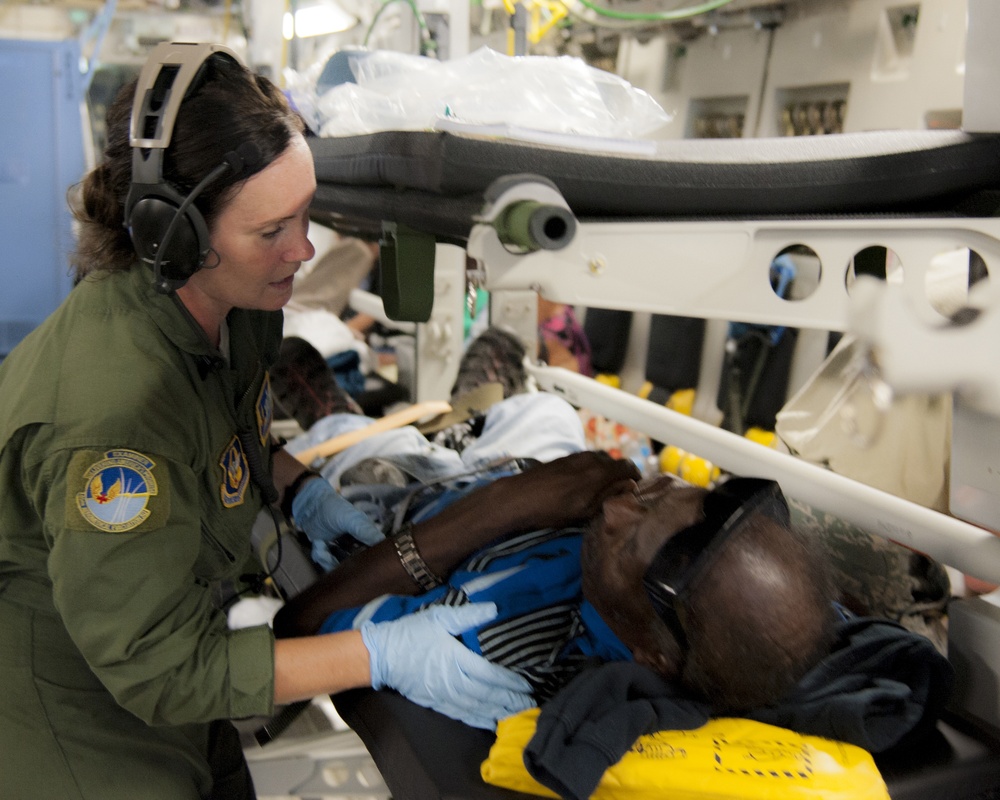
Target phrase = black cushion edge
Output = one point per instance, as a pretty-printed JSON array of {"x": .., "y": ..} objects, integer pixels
[{"x": 829, "y": 174}]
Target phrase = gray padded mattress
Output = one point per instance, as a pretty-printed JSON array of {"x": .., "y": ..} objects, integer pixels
[{"x": 435, "y": 181}]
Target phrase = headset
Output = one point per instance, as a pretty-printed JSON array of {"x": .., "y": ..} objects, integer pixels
[{"x": 168, "y": 232}]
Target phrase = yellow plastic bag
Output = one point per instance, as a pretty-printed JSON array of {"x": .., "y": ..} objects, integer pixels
[{"x": 727, "y": 759}]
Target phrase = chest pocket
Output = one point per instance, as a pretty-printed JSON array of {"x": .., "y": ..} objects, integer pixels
[
  {"x": 219, "y": 558},
  {"x": 230, "y": 498},
  {"x": 230, "y": 506}
]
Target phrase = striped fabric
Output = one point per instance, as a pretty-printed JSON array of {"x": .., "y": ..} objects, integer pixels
[{"x": 544, "y": 630}]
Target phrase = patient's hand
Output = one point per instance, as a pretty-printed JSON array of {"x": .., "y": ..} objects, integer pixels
[{"x": 571, "y": 488}]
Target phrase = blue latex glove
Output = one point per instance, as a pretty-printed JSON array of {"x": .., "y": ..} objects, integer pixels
[
  {"x": 324, "y": 515},
  {"x": 419, "y": 656}
]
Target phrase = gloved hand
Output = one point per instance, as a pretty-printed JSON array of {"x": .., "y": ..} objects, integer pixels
[
  {"x": 324, "y": 515},
  {"x": 420, "y": 657}
]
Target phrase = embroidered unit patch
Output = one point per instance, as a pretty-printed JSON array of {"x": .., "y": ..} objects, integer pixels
[
  {"x": 235, "y": 474},
  {"x": 264, "y": 409},
  {"x": 117, "y": 491}
]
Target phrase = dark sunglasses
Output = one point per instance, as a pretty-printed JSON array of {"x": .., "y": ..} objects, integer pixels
[{"x": 684, "y": 558}]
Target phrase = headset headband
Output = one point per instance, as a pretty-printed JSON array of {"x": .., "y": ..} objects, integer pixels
[{"x": 154, "y": 112}]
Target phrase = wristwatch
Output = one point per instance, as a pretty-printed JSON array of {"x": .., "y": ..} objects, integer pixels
[{"x": 411, "y": 560}]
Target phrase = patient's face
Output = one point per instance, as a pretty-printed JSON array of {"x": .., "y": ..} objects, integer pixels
[{"x": 619, "y": 547}]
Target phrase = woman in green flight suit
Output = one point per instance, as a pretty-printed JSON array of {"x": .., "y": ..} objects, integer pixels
[{"x": 135, "y": 454}]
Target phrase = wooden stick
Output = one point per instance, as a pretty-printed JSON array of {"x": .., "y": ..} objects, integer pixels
[{"x": 406, "y": 416}]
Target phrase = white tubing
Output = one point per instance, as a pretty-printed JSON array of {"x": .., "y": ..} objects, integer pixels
[{"x": 969, "y": 548}]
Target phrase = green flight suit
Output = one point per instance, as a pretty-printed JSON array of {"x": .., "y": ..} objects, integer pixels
[{"x": 126, "y": 498}]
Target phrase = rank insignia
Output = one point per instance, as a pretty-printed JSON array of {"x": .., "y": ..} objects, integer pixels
[
  {"x": 117, "y": 491},
  {"x": 235, "y": 474}
]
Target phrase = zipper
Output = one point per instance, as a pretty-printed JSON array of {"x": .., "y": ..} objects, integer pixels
[{"x": 258, "y": 374}]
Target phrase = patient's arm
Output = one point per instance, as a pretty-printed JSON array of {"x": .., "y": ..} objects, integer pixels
[{"x": 561, "y": 492}]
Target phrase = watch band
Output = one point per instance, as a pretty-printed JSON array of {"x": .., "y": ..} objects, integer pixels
[{"x": 410, "y": 558}]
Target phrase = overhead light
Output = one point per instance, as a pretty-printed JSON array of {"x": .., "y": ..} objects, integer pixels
[{"x": 317, "y": 20}]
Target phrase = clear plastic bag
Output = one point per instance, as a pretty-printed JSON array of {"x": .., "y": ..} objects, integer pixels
[
  {"x": 898, "y": 444},
  {"x": 398, "y": 91}
]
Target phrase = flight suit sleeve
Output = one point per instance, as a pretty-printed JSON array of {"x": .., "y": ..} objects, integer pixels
[{"x": 130, "y": 581}]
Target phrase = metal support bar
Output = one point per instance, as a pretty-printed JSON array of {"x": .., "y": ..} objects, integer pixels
[
  {"x": 439, "y": 340},
  {"x": 966, "y": 547},
  {"x": 721, "y": 269}
]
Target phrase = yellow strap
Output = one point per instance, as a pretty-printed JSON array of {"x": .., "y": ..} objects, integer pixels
[{"x": 406, "y": 416}]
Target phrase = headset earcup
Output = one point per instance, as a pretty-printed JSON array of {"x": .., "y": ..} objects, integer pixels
[{"x": 148, "y": 222}]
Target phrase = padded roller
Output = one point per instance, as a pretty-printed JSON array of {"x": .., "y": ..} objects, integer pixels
[{"x": 531, "y": 225}]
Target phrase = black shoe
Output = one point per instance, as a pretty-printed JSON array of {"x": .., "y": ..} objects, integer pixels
[{"x": 495, "y": 356}]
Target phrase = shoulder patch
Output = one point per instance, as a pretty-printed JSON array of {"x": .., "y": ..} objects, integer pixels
[
  {"x": 235, "y": 474},
  {"x": 116, "y": 491},
  {"x": 264, "y": 409}
]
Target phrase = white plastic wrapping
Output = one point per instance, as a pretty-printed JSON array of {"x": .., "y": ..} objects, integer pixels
[{"x": 398, "y": 91}]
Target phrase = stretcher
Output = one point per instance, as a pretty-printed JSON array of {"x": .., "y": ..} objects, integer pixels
[{"x": 691, "y": 228}]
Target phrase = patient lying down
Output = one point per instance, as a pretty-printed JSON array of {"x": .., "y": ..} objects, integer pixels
[
  {"x": 711, "y": 590},
  {"x": 625, "y": 606}
]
